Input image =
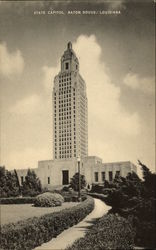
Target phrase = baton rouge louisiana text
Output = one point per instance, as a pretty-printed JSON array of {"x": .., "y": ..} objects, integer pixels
[{"x": 76, "y": 12}]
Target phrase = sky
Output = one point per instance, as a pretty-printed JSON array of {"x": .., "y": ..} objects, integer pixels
[{"x": 116, "y": 56}]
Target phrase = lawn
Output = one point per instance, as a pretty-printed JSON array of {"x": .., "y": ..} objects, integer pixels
[{"x": 14, "y": 213}]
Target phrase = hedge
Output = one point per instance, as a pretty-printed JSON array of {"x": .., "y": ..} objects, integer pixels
[
  {"x": 109, "y": 232},
  {"x": 74, "y": 198},
  {"x": 33, "y": 232},
  {"x": 98, "y": 196},
  {"x": 17, "y": 200},
  {"x": 30, "y": 200}
]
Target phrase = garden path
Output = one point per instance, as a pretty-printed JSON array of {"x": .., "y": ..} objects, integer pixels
[{"x": 68, "y": 236}]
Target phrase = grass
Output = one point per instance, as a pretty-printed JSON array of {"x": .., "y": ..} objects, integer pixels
[{"x": 14, "y": 213}]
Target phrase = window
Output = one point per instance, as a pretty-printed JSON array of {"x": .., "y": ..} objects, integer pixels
[
  {"x": 110, "y": 176},
  {"x": 117, "y": 173},
  {"x": 22, "y": 179},
  {"x": 66, "y": 65},
  {"x": 96, "y": 176},
  {"x": 65, "y": 177},
  {"x": 103, "y": 176},
  {"x": 48, "y": 180}
]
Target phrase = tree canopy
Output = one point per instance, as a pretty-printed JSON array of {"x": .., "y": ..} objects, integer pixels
[
  {"x": 8, "y": 183},
  {"x": 74, "y": 182},
  {"x": 136, "y": 198},
  {"x": 31, "y": 185}
]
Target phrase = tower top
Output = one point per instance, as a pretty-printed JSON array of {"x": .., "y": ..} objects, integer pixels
[
  {"x": 69, "y": 61},
  {"x": 69, "y": 45}
]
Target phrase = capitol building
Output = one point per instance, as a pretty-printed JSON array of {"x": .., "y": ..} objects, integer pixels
[{"x": 70, "y": 133}]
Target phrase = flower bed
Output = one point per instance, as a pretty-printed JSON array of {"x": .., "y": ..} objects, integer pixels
[{"x": 33, "y": 232}]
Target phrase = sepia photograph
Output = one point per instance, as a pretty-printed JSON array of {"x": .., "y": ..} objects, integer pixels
[{"x": 77, "y": 125}]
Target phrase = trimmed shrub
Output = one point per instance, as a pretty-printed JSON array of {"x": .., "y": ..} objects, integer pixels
[
  {"x": 73, "y": 198},
  {"x": 97, "y": 188},
  {"x": 17, "y": 200},
  {"x": 33, "y": 232},
  {"x": 48, "y": 200},
  {"x": 65, "y": 188},
  {"x": 71, "y": 195},
  {"x": 110, "y": 232}
]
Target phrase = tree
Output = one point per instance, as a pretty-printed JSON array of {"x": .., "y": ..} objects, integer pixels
[
  {"x": 74, "y": 182},
  {"x": 3, "y": 192},
  {"x": 18, "y": 183},
  {"x": 134, "y": 197},
  {"x": 32, "y": 185},
  {"x": 149, "y": 181},
  {"x": 8, "y": 183}
]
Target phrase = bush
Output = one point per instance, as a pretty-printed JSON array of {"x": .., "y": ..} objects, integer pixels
[
  {"x": 110, "y": 232},
  {"x": 48, "y": 200},
  {"x": 17, "y": 200},
  {"x": 99, "y": 196},
  {"x": 74, "y": 182},
  {"x": 96, "y": 188},
  {"x": 9, "y": 185},
  {"x": 32, "y": 185},
  {"x": 71, "y": 195},
  {"x": 65, "y": 188},
  {"x": 136, "y": 198},
  {"x": 33, "y": 232}
]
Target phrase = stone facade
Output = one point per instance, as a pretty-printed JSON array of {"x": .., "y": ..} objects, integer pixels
[
  {"x": 55, "y": 173},
  {"x": 70, "y": 119}
]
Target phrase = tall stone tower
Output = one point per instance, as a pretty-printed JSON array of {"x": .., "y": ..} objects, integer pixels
[{"x": 70, "y": 111}]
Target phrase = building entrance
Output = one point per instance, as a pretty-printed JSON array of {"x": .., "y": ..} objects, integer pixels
[{"x": 65, "y": 177}]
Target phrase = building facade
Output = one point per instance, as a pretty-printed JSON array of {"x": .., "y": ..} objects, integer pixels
[
  {"x": 57, "y": 173},
  {"x": 70, "y": 133},
  {"x": 70, "y": 119}
]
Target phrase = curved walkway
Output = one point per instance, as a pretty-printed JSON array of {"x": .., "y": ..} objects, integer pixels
[{"x": 68, "y": 236}]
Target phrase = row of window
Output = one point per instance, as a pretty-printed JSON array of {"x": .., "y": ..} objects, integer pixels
[
  {"x": 65, "y": 134},
  {"x": 65, "y": 123},
  {"x": 64, "y": 79},
  {"x": 65, "y": 109},
  {"x": 64, "y": 91},
  {"x": 65, "y": 126},
  {"x": 64, "y": 75},
  {"x": 103, "y": 175},
  {"x": 64, "y": 97},
  {"x": 66, "y": 141},
  {"x": 64, "y": 156}
]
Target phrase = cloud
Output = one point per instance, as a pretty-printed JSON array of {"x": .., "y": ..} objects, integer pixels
[
  {"x": 135, "y": 82},
  {"x": 27, "y": 157},
  {"x": 108, "y": 119},
  {"x": 116, "y": 4},
  {"x": 48, "y": 77},
  {"x": 103, "y": 95},
  {"x": 10, "y": 63},
  {"x": 28, "y": 105}
]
